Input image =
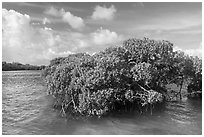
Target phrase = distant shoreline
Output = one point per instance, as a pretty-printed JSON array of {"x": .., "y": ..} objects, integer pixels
[
  {"x": 22, "y": 70},
  {"x": 15, "y": 66}
]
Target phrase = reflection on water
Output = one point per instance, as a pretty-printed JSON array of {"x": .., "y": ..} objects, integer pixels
[{"x": 27, "y": 109}]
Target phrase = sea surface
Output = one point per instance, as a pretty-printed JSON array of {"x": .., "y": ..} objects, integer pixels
[{"x": 27, "y": 109}]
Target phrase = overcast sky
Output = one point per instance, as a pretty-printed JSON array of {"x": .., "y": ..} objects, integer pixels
[{"x": 35, "y": 33}]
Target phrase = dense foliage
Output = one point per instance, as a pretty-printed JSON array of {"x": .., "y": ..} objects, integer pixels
[
  {"x": 18, "y": 66},
  {"x": 132, "y": 76},
  {"x": 195, "y": 84}
]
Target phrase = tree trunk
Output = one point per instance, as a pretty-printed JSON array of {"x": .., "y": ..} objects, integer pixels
[{"x": 181, "y": 85}]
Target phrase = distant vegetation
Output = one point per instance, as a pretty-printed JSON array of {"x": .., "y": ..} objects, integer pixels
[
  {"x": 18, "y": 66},
  {"x": 133, "y": 76}
]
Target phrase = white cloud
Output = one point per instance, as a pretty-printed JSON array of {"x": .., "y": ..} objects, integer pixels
[
  {"x": 191, "y": 52},
  {"x": 176, "y": 48},
  {"x": 105, "y": 36},
  {"x": 46, "y": 21},
  {"x": 25, "y": 43},
  {"x": 36, "y": 23},
  {"x": 74, "y": 21},
  {"x": 53, "y": 12},
  {"x": 194, "y": 52},
  {"x": 45, "y": 28},
  {"x": 104, "y": 13},
  {"x": 50, "y": 53}
]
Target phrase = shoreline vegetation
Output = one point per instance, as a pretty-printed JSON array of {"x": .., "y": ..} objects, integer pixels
[
  {"x": 133, "y": 76},
  {"x": 18, "y": 66}
]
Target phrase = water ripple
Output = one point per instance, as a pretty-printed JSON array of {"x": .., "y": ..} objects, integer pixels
[{"x": 27, "y": 109}]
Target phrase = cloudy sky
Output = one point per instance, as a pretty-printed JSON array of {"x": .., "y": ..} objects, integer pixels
[{"x": 35, "y": 33}]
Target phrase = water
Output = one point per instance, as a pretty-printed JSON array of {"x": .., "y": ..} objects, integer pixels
[{"x": 27, "y": 109}]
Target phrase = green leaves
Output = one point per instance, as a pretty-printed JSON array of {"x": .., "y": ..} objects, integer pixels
[
  {"x": 117, "y": 77},
  {"x": 141, "y": 72}
]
